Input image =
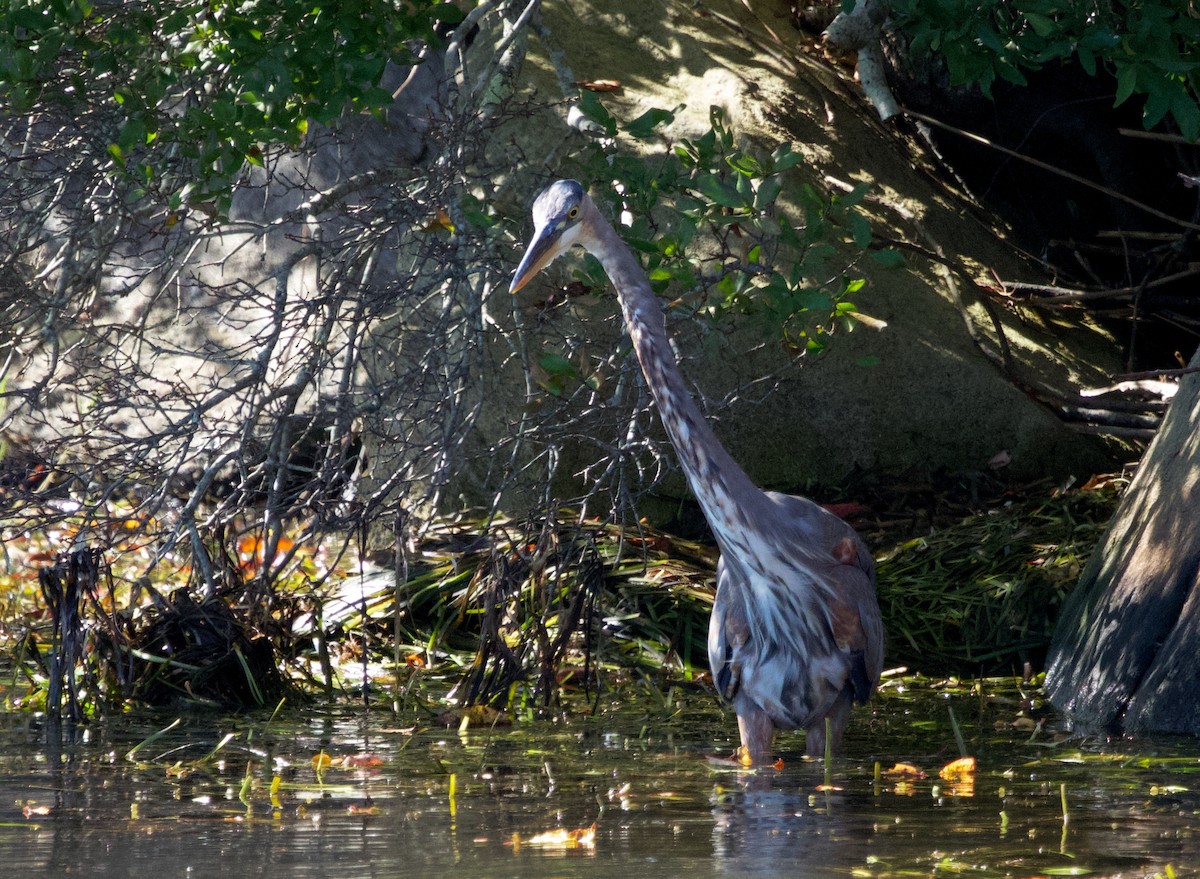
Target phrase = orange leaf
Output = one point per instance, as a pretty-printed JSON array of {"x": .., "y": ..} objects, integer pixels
[
  {"x": 958, "y": 769},
  {"x": 441, "y": 220},
  {"x": 904, "y": 770},
  {"x": 321, "y": 761},
  {"x": 414, "y": 660}
]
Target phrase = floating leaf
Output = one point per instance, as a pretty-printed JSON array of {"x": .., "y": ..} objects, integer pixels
[
  {"x": 584, "y": 837},
  {"x": 958, "y": 769},
  {"x": 904, "y": 770}
]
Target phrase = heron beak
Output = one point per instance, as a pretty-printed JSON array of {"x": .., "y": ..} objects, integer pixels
[{"x": 541, "y": 252}]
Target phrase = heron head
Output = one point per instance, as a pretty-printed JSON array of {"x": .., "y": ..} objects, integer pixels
[{"x": 557, "y": 215}]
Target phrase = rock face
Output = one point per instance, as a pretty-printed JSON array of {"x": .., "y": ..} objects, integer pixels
[
  {"x": 936, "y": 398},
  {"x": 319, "y": 299},
  {"x": 1124, "y": 655}
]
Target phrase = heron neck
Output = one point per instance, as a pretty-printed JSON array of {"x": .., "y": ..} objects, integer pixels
[{"x": 725, "y": 492}]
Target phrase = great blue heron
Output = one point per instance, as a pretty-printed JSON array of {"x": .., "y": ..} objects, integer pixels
[{"x": 795, "y": 635}]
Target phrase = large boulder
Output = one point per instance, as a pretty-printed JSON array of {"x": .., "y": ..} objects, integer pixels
[
  {"x": 944, "y": 392},
  {"x": 339, "y": 310}
]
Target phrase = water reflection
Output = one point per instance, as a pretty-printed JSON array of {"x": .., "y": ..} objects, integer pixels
[
  {"x": 199, "y": 801},
  {"x": 770, "y": 826}
]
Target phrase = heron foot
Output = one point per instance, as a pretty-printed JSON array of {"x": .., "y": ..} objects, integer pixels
[{"x": 758, "y": 738}]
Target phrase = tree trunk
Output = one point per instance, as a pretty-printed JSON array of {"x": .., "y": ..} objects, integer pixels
[{"x": 1126, "y": 655}]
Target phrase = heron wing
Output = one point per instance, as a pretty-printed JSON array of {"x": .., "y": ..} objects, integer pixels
[
  {"x": 791, "y": 645},
  {"x": 728, "y": 633},
  {"x": 856, "y": 624}
]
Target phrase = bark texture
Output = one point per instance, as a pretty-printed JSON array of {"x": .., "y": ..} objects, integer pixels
[{"x": 1125, "y": 656}]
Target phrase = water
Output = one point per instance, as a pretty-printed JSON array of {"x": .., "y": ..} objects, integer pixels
[{"x": 435, "y": 803}]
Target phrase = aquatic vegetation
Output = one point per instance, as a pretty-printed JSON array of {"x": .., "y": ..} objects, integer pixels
[
  {"x": 984, "y": 594},
  {"x": 617, "y": 787},
  {"x": 518, "y": 615}
]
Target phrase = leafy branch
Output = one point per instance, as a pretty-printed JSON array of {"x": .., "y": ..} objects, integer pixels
[
  {"x": 183, "y": 96},
  {"x": 1152, "y": 48},
  {"x": 789, "y": 268}
]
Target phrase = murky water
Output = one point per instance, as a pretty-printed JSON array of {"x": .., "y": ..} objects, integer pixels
[{"x": 436, "y": 803}]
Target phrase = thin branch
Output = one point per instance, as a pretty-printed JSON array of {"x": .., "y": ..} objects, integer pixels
[{"x": 1046, "y": 166}]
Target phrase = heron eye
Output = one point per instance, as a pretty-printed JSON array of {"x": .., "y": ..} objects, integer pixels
[{"x": 573, "y": 213}]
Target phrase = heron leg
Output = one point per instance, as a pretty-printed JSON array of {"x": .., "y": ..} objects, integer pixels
[
  {"x": 758, "y": 735},
  {"x": 839, "y": 717}
]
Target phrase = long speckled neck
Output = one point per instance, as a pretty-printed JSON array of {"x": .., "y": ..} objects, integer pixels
[{"x": 722, "y": 487}]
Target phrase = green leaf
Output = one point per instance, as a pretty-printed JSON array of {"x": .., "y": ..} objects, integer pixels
[
  {"x": 889, "y": 258},
  {"x": 1087, "y": 60},
  {"x": 555, "y": 363},
  {"x": 1187, "y": 115},
  {"x": 133, "y": 134},
  {"x": 1042, "y": 25},
  {"x": 854, "y": 196},
  {"x": 746, "y": 164},
  {"x": 643, "y": 126},
  {"x": 594, "y": 110},
  {"x": 813, "y": 300},
  {"x": 1127, "y": 75},
  {"x": 479, "y": 219},
  {"x": 784, "y": 157},
  {"x": 987, "y": 36},
  {"x": 559, "y": 372},
  {"x": 717, "y": 191},
  {"x": 860, "y": 230},
  {"x": 1158, "y": 102}
]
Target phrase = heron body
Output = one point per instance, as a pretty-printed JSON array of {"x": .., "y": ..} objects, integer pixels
[{"x": 795, "y": 635}]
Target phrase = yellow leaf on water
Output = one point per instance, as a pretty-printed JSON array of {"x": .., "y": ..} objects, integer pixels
[
  {"x": 958, "y": 769},
  {"x": 904, "y": 770},
  {"x": 561, "y": 837}
]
